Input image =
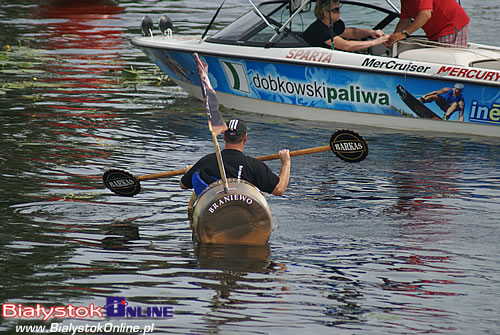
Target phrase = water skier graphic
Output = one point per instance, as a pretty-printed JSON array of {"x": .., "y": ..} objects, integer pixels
[{"x": 448, "y": 99}]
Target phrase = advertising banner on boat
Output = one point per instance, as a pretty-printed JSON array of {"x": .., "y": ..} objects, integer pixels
[{"x": 348, "y": 90}]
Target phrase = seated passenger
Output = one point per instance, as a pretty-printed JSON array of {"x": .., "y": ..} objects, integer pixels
[{"x": 329, "y": 27}]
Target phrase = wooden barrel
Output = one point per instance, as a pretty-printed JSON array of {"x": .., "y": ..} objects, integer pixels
[{"x": 239, "y": 216}]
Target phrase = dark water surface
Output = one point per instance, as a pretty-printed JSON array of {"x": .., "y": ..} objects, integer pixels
[{"x": 405, "y": 242}]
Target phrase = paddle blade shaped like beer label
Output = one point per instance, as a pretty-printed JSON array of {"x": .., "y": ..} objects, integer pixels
[
  {"x": 121, "y": 182},
  {"x": 349, "y": 146}
]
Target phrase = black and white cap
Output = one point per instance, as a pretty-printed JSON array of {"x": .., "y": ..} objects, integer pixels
[{"x": 236, "y": 128}]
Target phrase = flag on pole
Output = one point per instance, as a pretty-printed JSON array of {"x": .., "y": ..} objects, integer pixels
[{"x": 216, "y": 123}]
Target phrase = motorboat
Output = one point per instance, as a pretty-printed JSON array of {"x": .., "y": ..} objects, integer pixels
[{"x": 260, "y": 63}]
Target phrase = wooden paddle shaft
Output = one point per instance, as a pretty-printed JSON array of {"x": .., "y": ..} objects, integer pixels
[
  {"x": 161, "y": 174},
  {"x": 261, "y": 158},
  {"x": 296, "y": 153}
]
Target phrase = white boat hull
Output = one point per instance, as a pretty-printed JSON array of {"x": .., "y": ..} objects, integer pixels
[
  {"x": 380, "y": 88},
  {"x": 339, "y": 116}
]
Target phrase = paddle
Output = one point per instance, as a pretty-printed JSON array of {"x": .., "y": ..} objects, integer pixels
[{"x": 345, "y": 144}]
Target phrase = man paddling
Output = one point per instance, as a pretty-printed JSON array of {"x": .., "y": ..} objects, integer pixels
[{"x": 239, "y": 165}]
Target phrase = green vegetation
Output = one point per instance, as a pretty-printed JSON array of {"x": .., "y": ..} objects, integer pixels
[{"x": 24, "y": 67}]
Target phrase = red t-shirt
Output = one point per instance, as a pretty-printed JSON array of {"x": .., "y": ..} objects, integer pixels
[{"x": 447, "y": 15}]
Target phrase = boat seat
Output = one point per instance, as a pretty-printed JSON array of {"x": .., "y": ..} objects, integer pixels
[
  {"x": 198, "y": 184},
  {"x": 462, "y": 57}
]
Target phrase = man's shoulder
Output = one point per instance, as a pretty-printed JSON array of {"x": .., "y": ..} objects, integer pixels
[
  {"x": 240, "y": 156},
  {"x": 207, "y": 159},
  {"x": 208, "y": 156},
  {"x": 314, "y": 27}
]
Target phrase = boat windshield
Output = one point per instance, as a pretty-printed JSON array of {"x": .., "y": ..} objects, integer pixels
[{"x": 251, "y": 30}]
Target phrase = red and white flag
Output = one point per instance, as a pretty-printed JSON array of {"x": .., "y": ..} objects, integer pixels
[{"x": 216, "y": 123}]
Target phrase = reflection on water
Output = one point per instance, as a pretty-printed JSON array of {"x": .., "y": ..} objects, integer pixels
[{"x": 405, "y": 242}]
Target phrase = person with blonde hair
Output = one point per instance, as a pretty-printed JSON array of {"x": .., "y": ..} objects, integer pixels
[{"x": 329, "y": 31}]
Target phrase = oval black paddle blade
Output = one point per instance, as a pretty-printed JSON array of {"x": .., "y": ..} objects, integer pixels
[
  {"x": 349, "y": 146},
  {"x": 121, "y": 182}
]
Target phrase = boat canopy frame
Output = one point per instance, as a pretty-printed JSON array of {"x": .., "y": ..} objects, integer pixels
[{"x": 264, "y": 15}]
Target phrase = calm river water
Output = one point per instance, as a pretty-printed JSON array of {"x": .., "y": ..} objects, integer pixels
[{"x": 406, "y": 242}]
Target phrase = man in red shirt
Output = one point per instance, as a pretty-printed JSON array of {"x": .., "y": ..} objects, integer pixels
[{"x": 443, "y": 21}]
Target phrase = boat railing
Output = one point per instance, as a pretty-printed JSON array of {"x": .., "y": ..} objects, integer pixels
[
  {"x": 287, "y": 22},
  {"x": 262, "y": 16},
  {"x": 396, "y": 9}
]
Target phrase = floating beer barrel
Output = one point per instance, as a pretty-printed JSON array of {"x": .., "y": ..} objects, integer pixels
[{"x": 239, "y": 216}]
